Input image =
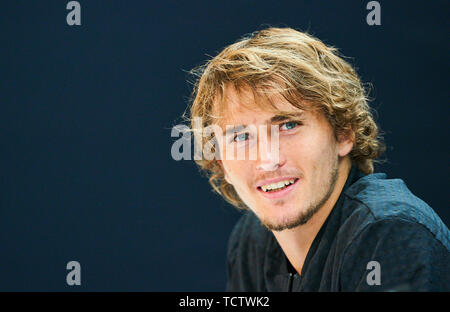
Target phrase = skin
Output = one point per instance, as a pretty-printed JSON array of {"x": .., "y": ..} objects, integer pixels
[{"x": 308, "y": 151}]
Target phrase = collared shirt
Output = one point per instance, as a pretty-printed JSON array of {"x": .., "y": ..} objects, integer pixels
[{"x": 378, "y": 237}]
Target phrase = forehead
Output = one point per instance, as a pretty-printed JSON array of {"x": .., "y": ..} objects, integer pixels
[{"x": 244, "y": 107}]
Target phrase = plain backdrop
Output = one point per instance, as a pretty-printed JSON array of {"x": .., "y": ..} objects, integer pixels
[{"x": 86, "y": 112}]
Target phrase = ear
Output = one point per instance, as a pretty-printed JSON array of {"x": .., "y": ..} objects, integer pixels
[
  {"x": 345, "y": 143},
  {"x": 225, "y": 174}
]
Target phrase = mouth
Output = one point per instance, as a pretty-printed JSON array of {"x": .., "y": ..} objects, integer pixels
[{"x": 279, "y": 188}]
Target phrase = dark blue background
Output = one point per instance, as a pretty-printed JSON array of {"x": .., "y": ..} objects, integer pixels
[{"x": 85, "y": 118}]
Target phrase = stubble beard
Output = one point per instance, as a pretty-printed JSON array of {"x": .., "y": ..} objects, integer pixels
[{"x": 304, "y": 216}]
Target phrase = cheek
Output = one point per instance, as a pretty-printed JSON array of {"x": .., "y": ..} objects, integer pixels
[
  {"x": 314, "y": 153},
  {"x": 306, "y": 149},
  {"x": 235, "y": 172}
]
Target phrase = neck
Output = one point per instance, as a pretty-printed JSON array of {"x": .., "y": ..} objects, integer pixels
[{"x": 296, "y": 242}]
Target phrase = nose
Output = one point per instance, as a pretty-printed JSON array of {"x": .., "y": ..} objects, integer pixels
[
  {"x": 269, "y": 156},
  {"x": 268, "y": 164}
]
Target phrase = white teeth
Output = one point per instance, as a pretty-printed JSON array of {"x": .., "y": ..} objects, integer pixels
[{"x": 278, "y": 185}]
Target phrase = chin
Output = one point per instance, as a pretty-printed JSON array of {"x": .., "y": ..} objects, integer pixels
[{"x": 280, "y": 218}]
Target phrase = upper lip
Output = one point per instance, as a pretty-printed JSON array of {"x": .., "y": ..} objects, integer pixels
[{"x": 270, "y": 181}]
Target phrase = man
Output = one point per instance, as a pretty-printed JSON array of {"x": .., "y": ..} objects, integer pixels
[{"x": 318, "y": 218}]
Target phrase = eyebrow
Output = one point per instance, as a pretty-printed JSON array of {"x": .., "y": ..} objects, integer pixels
[
  {"x": 274, "y": 119},
  {"x": 234, "y": 129}
]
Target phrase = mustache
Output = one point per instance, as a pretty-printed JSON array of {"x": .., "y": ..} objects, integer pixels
[{"x": 277, "y": 174}]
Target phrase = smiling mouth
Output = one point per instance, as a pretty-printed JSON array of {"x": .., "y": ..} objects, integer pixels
[{"x": 277, "y": 187}]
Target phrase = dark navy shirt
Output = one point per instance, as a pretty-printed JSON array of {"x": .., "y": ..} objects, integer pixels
[{"x": 378, "y": 237}]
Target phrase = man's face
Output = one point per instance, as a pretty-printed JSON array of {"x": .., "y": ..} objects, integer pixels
[{"x": 284, "y": 192}]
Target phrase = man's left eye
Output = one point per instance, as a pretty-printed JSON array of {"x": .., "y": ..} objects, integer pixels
[{"x": 289, "y": 125}]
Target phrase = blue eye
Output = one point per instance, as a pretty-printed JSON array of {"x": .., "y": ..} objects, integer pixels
[
  {"x": 289, "y": 125},
  {"x": 241, "y": 137}
]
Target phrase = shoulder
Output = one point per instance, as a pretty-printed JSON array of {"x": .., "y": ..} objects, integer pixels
[
  {"x": 248, "y": 234},
  {"x": 247, "y": 249},
  {"x": 374, "y": 202},
  {"x": 407, "y": 254},
  {"x": 384, "y": 222}
]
